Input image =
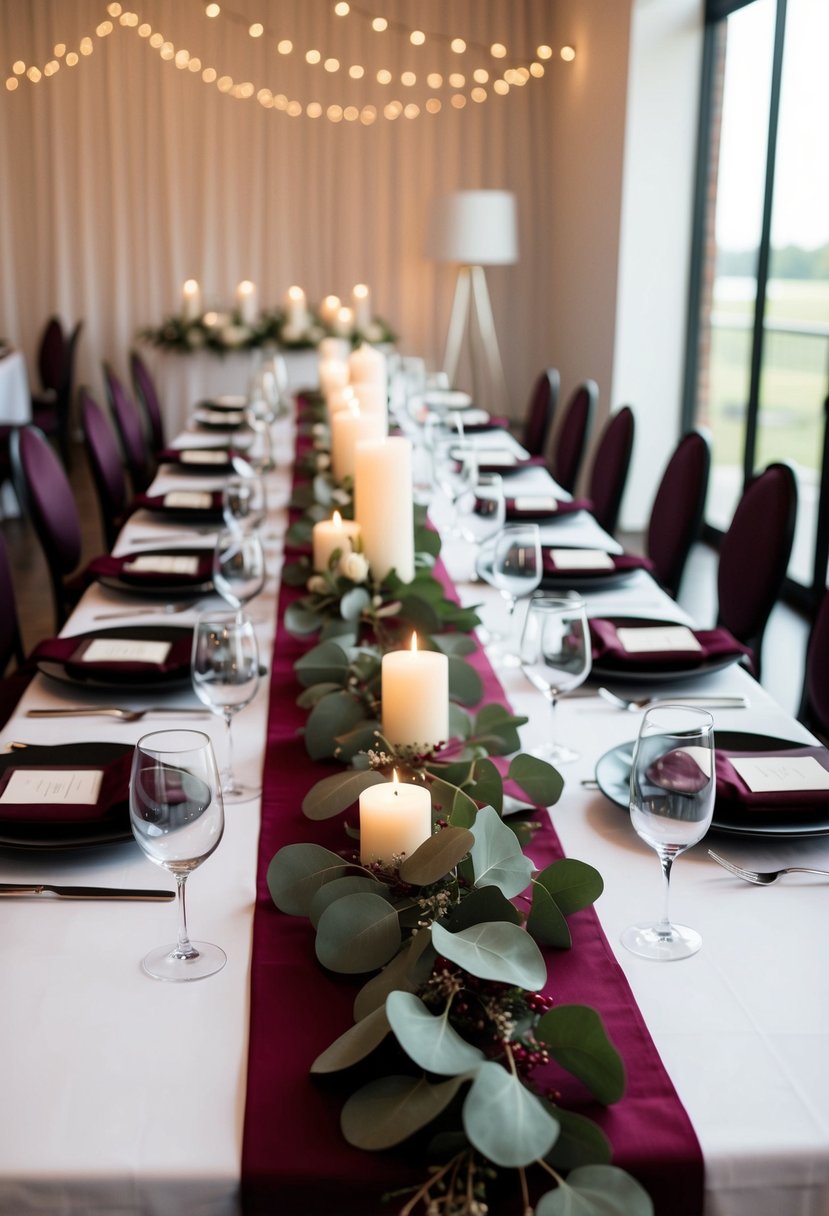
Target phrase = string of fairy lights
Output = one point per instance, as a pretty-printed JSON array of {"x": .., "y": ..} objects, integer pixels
[{"x": 476, "y": 71}]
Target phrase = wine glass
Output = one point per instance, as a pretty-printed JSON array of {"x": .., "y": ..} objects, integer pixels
[
  {"x": 177, "y": 818},
  {"x": 481, "y": 515},
  {"x": 516, "y": 571},
  {"x": 456, "y": 469},
  {"x": 225, "y": 672},
  {"x": 672, "y": 788},
  {"x": 555, "y": 655},
  {"x": 244, "y": 502},
  {"x": 262, "y": 404},
  {"x": 238, "y": 566}
]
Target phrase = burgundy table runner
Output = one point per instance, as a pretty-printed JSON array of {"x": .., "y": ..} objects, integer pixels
[{"x": 295, "y": 1161}]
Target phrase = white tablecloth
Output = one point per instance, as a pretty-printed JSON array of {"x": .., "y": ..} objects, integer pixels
[{"x": 121, "y": 1095}]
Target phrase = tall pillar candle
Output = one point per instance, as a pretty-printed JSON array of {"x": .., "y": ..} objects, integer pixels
[
  {"x": 329, "y": 308},
  {"x": 366, "y": 365},
  {"x": 246, "y": 302},
  {"x": 296, "y": 308},
  {"x": 395, "y": 818},
  {"x": 343, "y": 323},
  {"x": 191, "y": 301},
  {"x": 372, "y": 400},
  {"x": 415, "y": 697},
  {"x": 384, "y": 505},
  {"x": 330, "y": 535},
  {"x": 361, "y": 302},
  {"x": 348, "y": 428},
  {"x": 333, "y": 374}
]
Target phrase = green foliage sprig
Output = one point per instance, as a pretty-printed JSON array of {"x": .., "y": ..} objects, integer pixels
[{"x": 225, "y": 332}]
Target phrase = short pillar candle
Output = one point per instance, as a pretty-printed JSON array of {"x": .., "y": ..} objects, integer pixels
[
  {"x": 415, "y": 697},
  {"x": 395, "y": 818},
  {"x": 332, "y": 534}
]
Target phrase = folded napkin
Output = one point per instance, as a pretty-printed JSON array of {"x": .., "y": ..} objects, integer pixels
[
  {"x": 184, "y": 505},
  {"x": 543, "y": 506},
  {"x": 69, "y": 652},
  {"x": 505, "y": 469},
  {"x": 734, "y": 794},
  {"x": 112, "y": 800},
  {"x": 620, "y": 562},
  {"x": 712, "y": 644},
  {"x": 121, "y": 568},
  {"x": 200, "y": 460}
]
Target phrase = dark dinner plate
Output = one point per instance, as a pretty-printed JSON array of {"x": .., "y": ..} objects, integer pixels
[
  {"x": 581, "y": 580},
  {"x": 109, "y": 829},
  {"x": 613, "y": 779},
  {"x": 145, "y": 633},
  {"x": 674, "y": 672}
]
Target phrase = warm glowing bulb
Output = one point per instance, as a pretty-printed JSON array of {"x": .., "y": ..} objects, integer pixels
[
  {"x": 497, "y": 50},
  {"x": 12, "y": 83},
  {"x": 434, "y": 80},
  {"x": 71, "y": 59},
  {"x": 265, "y": 98},
  {"x": 411, "y": 110},
  {"x": 417, "y": 37},
  {"x": 332, "y": 65},
  {"x": 368, "y": 115},
  {"x": 351, "y": 113},
  {"x": 342, "y": 9},
  {"x": 224, "y": 84},
  {"x": 167, "y": 51},
  {"x": 195, "y": 64},
  {"x": 356, "y": 71},
  {"x": 145, "y": 30},
  {"x": 458, "y": 45},
  {"x": 457, "y": 80},
  {"x": 114, "y": 9},
  {"x": 86, "y": 47},
  {"x": 209, "y": 75},
  {"x": 182, "y": 59},
  {"x": 312, "y": 56},
  {"x": 433, "y": 105},
  {"x": 60, "y": 50},
  {"x": 393, "y": 110},
  {"x": 19, "y": 67},
  {"x": 157, "y": 40},
  {"x": 501, "y": 87},
  {"x": 103, "y": 29},
  {"x": 34, "y": 75},
  {"x": 256, "y": 30},
  {"x": 544, "y": 52},
  {"x": 536, "y": 69},
  {"x": 408, "y": 79},
  {"x": 478, "y": 94},
  {"x": 480, "y": 75},
  {"x": 334, "y": 114},
  {"x": 568, "y": 53},
  {"x": 293, "y": 109},
  {"x": 285, "y": 46},
  {"x": 384, "y": 76},
  {"x": 458, "y": 101},
  {"x": 313, "y": 110},
  {"x": 379, "y": 24},
  {"x": 212, "y": 10}
]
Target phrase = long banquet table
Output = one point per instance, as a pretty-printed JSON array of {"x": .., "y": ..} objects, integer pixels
[{"x": 122, "y": 1095}]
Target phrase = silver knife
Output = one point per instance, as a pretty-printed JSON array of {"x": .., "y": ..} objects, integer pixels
[{"x": 41, "y": 888}]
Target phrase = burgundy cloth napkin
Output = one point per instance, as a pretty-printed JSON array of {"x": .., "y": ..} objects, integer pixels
[
  {"x": 155, "y": 502},
  {"x": 714, "y": 643},
  {"x": 294, "y": 1157},
  {"x": 621, "y": 563},
  {"x": 108, "y": 566},
  {"x": 112, "y": 796},
  {"x": 68, "y": 652},
  {"x": 528, "y": 462},
  {"x": 734, "y": 794},
  {"x": 562, "y": 508}
]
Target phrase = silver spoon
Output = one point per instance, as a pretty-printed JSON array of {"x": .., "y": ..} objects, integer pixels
[
  {"x": 157, "y": 610},
  {"x": 635, "y": 704}
]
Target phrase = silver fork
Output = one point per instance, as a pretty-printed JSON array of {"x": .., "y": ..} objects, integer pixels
[
  {"x": 158, "y": 610},
  {"x": 632, "y": 704},
  {"x": 763, "y": 878},
  {"x": 123, "y": 715}
]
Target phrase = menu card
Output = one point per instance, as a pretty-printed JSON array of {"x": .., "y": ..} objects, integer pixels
[
  {"x": 54, "y": 786},
  {"x": 222, "y": 417},
  {"x": 197, "y": 500},
  {"x": 581, "y": 559},
  {"x": 658, "y": 638},
  {"x": 204, "y": 456},
  {"x": 529, "y": 502},
  {"x": 125, "y": 650},
  {"x": 160, "y": 563},
  {"x": 779, "y": 774}
]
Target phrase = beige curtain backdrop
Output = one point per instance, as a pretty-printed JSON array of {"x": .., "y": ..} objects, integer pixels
[{"x": 125, "y": 175}]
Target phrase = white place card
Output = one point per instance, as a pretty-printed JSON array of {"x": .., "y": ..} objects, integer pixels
[
  {"x": 496, "y": 456},
  {"x": 197, "y": 500},
  {"x": 204, "y": 456},
  {"x": 71, "y": 787},
  {"x": 781, "y": 774},
  {"x": 163, "y": 563},
  {"x": 468, "y": 418},
  {"x": 656, "y": 638},
  {"x": 221, "y": 417},
  {"x": 125, "y": 650},
  {"x": 230, "y": 401},
  {"x": 581, "y": 559},
  {"x": 530, "y": 502}
]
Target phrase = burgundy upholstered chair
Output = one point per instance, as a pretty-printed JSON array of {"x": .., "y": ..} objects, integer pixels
[
  {"x": 130, "y": 430},
  {"x": 44, "y": 491},
  {"x": 11, "y": 644},
  {"x": 570, "y": 441},
  {"x": 541, "y": 410},
  {"x": 814, "y": 705},
  {"x": 677, "y": 511},
  {"x": 147, "y": 397},
  {"x": 105, "y": 465},
  {"x": 754, "y": 555},
  {"x": 609, "y": 471},
  {"x": 51, "y": 407}
]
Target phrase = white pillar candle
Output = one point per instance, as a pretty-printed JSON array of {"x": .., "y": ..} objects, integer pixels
[
  {"x": 361, "y": 301},
  {"x": 329, "y": 535},
  {"x": 246, "y": 302},
  {"x": 191, "y": 300},
  {"x": 333, "y": 374},
  {"x": 343, "y": 323},
  {"x": 372, "y": 400},
  {"x": 340, "y": 399},
  {"x": 329, "y": 309},
  {"x": 334, "y": 348},
  {"x": 296, "y": 308},
  {"x": 348, "y": 428},
  {"x": 395, "y": 818},
  {"x": 384, "y": 506},
  {"x": 415, "y": 697},
  {"x": 366, "y": 365}
]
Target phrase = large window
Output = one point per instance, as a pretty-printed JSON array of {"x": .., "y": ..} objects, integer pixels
[{"x": 759, "y": 350}]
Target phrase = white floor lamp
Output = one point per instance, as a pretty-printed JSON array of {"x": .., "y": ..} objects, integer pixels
[{"x": 475, "y": 228}]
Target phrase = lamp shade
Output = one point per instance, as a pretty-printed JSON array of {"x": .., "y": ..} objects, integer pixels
[{"x": 475, "y": 228}]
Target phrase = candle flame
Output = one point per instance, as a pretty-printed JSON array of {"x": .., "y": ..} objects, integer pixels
[
  {"x": 395, "y": 780},
  {"x": 295, "y": 293},
  {"x": 414, "y": 642},
  {"x": 337, "y": 520},
  {"x": 360, "y": 291}
]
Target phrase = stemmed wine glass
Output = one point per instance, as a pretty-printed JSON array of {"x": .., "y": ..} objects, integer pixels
[
  {"x": 672, "y": 788},
  {"x": 555, "y": 655},
  {"x": 244, "y": 502},
  {"x": 225, "y": 672},
  {"x": 481, "y": 516},
  {"x": 177, "y": 818},
  {"x": 238, "y": 566},
  {"x": 516, "y": 570}
]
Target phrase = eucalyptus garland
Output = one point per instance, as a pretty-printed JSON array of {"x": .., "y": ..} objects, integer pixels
[{"x": 226, "y": 332}]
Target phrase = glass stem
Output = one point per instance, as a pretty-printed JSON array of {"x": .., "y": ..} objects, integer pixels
[
  {"x": 230, "y": 782},
  {"x": 666, "y": 861},
  {"x": 184, "y": 947},
  {"x": 553, "y": 699}
]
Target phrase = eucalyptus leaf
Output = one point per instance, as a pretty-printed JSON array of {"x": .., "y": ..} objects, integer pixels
[
  {"x": 506, "y": 1121},
  {"x": 338, "y": 792},
  {"x": 496, "y": 855},
  {"x": 357, "y": 933},
  {"x": 539, "y": 780},
  {"x": 465, "y": 684},
  {"x": 350, "y": 884},
  {"x": 499, "y": 729},
  {"x": 358, "y": 1042},
  {"x": 298, "y": 871},
  {"x": 460, "y": 724},
  {"x": 333, "y": 715},
  {"x": 488, "y": 788},
  {"x": 572, "y": 884},
  {"x": 326, "y": 662},
  {"x": 428, "y": 1039},
  {"x": 296, "y": 574},
  {"x": 484, "y": 904},
  {"x": 308, "y": 698},
  {"x": 497, "y": 950},
  {"x": 300, "y": 620},
  {"x": 452, "y": 804},
  {"x": 353, "y": 603},
  {"x": 546, "y": 922},
  {"x": 409, "y": 968},
  {"x": 336, "y": 628},
  {"x": 580, "y": 1142},
  {"x": 323, "y": 490},
  {"x": 454, "y": 643},
  {"x": 434, "y": 859},
  {"x": 416, "y": 612},
  {"x": 427, "y": 541},
  {"x": 596, "y": 1190},
  {"x": 575, "y": 1036},
  {"x": 359, "y": 739},
  {"x": 389, "y": 1110}
]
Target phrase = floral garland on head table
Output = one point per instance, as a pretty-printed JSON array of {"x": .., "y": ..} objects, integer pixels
[{"x": 449, "y": 917}]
